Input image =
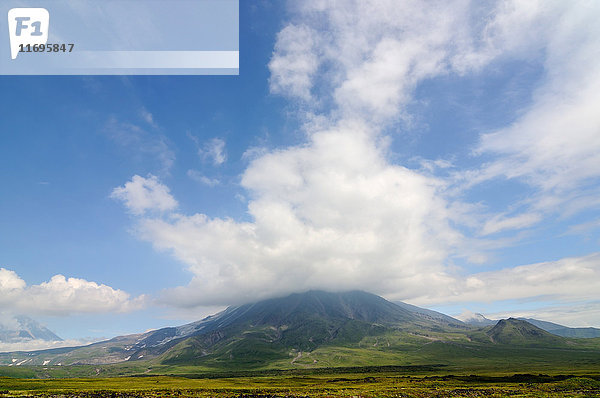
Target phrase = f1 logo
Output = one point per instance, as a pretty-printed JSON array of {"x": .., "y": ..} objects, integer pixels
[{"x": 27, "y": 26}]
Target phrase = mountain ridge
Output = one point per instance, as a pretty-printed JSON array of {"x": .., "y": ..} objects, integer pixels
[{"x": 565, "y": 331}]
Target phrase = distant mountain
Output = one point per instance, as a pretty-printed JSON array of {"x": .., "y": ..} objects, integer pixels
[
  {"x": 564, "y": 331},
  {"x": 479, "y": 320},
  {"x": 22, "y": 328},
  {"x": 476, "y": 319}
]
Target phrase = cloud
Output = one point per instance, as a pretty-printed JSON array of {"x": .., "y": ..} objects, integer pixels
[
  {"x": 7, "y": 320},
  {"x": 295, "y": 64},
  {"x": 34, "y": 345},
  {"x": 336, "y": 213},
  {"x": 554, "y": 146},
  {"x": 141, "y": 195},
  {"x": 583, "y": 228},
  {"x": 10, "y": 281},
  {"x": 569, "y": 279},
  {"x": 500, "y": 223},
  {"x": 331, "y": 214},
  {"x": 199, "y": 177},
  {"x": 214, "y": 150},
  {"x": 366, "y": 58},
  {"x": 140, "y": 143},
  {"x": 254, "y": 152},
  {"x": 62, "y": 296},
  {"x": 148, "y": 118}
]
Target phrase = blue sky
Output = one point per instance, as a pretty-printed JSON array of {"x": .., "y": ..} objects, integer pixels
[{"x": 446, "y": 154}]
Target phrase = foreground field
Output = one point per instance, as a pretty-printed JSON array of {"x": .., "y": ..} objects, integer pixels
[{"x": 331, "y": 385}]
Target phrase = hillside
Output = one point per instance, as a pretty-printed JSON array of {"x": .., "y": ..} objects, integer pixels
[
  {"x": 517, "y": 332},
  {"x": 430, "y": 314}
]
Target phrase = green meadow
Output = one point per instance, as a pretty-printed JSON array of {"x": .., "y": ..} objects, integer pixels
[{"x": 375, "y": 383}]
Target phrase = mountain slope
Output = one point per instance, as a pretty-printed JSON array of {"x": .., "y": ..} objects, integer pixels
[
  {"x": 522, "y": 333},
  {"x": 430, "y": 314}
]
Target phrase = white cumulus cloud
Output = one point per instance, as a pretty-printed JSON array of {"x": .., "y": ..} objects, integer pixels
[
  {"x": 145, "y": 194},
  {"x": 332, "y": 214},
  {"x": 62, "y": 296},
  {"x": 10, "y": 281}
]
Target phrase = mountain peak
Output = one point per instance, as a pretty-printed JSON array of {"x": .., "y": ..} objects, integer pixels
[
  {"x": 21, "y": 327},
  {"x": 475, "y": 318},
  {"x": 518, "y": 332},
  {"x": 351, "y": 305}
]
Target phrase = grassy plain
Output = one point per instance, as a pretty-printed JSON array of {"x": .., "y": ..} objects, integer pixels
[{"x": 383, "y": 383}]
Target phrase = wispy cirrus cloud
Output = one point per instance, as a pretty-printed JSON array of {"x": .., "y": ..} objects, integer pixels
[
  {"x": 214, "y": 151},
  {"x": 201, "y": 178},
  {"x": 554, "y": 146},
  {"x": 501, "y": 222},
  {"x": 148, "y": 118},
  {"x": 143, "y": 141}
]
